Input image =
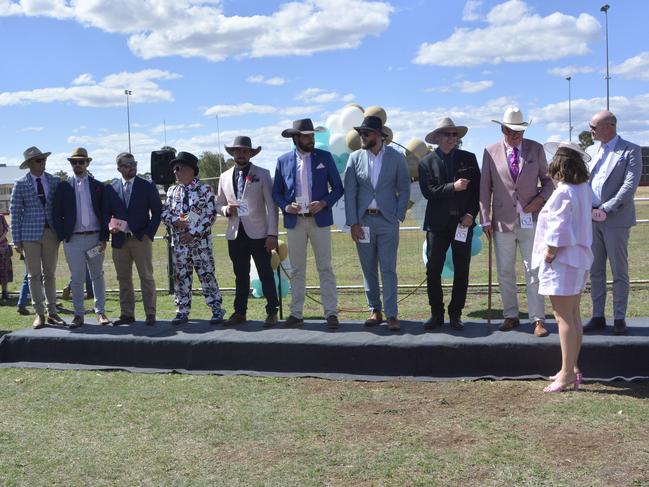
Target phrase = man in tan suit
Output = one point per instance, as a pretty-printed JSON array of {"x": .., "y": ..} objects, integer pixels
[
  {"x": 510, "y": 201},
  {"x": 245, "y": 198}
]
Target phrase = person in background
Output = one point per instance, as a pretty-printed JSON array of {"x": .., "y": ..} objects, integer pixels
[
  {"x": 23, "y": 296},
  {"x": 6, "y": 268}
]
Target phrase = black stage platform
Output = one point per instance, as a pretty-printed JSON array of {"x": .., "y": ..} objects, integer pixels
[{"x": 351, "y": 352}]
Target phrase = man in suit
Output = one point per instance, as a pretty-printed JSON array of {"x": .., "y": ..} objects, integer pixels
[
  {"x": 615, "y": 170},
  {"x": 377, "y": 189},
  {"x": 245, "y": 198},
  {"x": 306, "y": 186},
  {"x": 510, "y": 201},
  {"x": 133, "y": 208},
  {"x": 449, "y": 179},
  {"x": 33, "y": 234},
  {"x": 79, "y": 223}
]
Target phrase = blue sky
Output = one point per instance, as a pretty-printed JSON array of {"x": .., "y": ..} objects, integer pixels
[{"x": 261, "y": 64}]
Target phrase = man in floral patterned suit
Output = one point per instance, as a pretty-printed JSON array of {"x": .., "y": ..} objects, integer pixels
[{"x": 190, "y": 210}]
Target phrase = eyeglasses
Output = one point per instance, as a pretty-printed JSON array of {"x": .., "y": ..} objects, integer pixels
[
  {"x": 365, "y": 133},
  {"x": 448, "y": 134},
  {"x": 512, "y": 133},
  {"x": 592, "y": 127},
  {"x": 78, "y": 162}
]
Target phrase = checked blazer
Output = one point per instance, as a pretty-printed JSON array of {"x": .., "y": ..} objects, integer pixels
[{"x": 28, "y": 217}]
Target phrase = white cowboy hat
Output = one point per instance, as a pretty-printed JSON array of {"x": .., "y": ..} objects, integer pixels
[
  {"x": 552, "y": 147},
  {"x": 513, "y": 119},
  {"x": 446, "y": 123}
]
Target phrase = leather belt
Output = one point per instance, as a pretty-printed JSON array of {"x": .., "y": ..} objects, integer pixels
[
  {"x": 86, "y": 233},
  {"x": 307, "y": 215},
  {"x": 373, "y": 211}
]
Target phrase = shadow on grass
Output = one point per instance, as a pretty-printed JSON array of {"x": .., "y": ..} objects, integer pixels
[{"x": 639, "y": 390}]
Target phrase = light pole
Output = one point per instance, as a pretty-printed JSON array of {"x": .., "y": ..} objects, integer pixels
[
  {"x": 569, "y": 110},
  {"x": 605, "y": 10},
  {"x": 128, "y": 118}
]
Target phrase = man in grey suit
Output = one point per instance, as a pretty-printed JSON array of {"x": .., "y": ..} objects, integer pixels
[
  {"x": 615, "y": 170},
  {"x": 377, "y": 189}
]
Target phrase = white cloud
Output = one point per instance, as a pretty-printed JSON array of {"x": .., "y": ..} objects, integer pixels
[
  {"x": 463, "y": 87},
  {"x": 565, "y": 71},
  {"x": 107, "y": 93},
  {"x": 183, "y": 126},
  {"x": 159, "y": 28},
  {"x": 84, "y": 79},
  {"x": 636, "y": 67},
  {"x": 318, "y": 95},
  {"x": 513, "y": 34},
  {"x": 274, "y": 81},
  {"x": 470, "y": 11},
  {"x": 31, "y": 129},
  {"x": 301, "y": 110},
  {"x": 238, "y": 110}
]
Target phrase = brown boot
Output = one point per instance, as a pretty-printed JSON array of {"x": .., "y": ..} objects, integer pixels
[
  {"x": 376, "y": 318},
  {"x": 539, "y": 329}
]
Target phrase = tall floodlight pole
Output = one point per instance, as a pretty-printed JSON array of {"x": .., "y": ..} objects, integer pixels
[
  {"x": 128, "y": 118},
  {"x": 605, "y": 10},
  {"x": 569, "y": 110},
  {"x": 218, "y": 141}
]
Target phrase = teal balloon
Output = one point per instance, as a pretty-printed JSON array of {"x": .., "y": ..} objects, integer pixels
[
  {"x": 448, "y": 262},
  {"x": 257, "y": 292},
  {"x": 476, "y": 245},
  {"x": 447, "y": 273},
  {"x": 322, "y": 145},
  {"x": 341, "y": 161},
  {"x": 477, "y": 231},
  {"x": 323, "y": 138},
  {"x": 285, "y": 286}
]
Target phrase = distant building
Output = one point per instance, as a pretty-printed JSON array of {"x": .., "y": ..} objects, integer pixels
[{"x": 8, "y": 176}]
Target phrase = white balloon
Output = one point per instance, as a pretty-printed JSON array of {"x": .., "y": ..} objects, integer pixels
[
  {"x": 418, "y": 211},
  {"x": 338, "y": 212},
  {"x": 415, "y": 192},
  {"x": 333, "y": 123},
  {"x": 350, "y": 117},
  {"x": 338, "y": 144}
]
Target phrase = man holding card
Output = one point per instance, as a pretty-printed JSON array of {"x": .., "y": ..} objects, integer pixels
[
  {"x": 245, "y": 198},
  {"x": 510, "y": 201},
  {"x": 449, "y": 179},
  {"x": 377, "y": 189},
  {"x": 133, "y": 211},
  {"x": 79, "y": 222},
  {"x": 306, "y": 186}
]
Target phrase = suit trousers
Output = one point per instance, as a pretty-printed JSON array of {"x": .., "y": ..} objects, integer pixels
[
  {"x": 40, "y": 259},
  {"x": 75, "y": 253},
  {"x": 305, "y": 230},
  {"x": 438, "y": 242},
  {"x": 240, "y": 250},
  {"x": 139, "y": 252},
  {"x": 505, "y": 244},
  {"x": 611, "y": 243},
  {"x": 380, "y": 253}
]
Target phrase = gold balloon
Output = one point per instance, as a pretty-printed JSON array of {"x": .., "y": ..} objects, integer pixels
[
  {"x": 377, "y": 111},
  {"x": 389, "y": 135},
  {"x": 274, "y": 260},
  {"x": 413, "y": 166},
  {"x": 282, "y": 249},
  {"x": 355, "y": 105},
  {"x": 353, "y": 140},
  {"x": 418, "y": 148}
]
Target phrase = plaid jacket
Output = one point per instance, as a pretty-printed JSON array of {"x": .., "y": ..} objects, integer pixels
[{"x": 28, "y": 217}]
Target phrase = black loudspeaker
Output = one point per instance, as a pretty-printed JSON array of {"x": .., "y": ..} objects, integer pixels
[{"x": 161, "y": 172}]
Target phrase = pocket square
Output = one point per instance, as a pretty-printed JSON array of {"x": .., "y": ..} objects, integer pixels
[{"x": 320, "y": 166}]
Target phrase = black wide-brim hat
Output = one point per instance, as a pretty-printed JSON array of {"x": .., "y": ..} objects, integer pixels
[
  {"x": 372, "y": 123},
  {"x": 303, "y": 126},
  {"x": 187, "y": 159},
  {"x": 242, "y": 142}
]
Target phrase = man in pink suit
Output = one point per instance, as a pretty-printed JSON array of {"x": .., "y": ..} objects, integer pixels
[{"x": 510, "y": 200}]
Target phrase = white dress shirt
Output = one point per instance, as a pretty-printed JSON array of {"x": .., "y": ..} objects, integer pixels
[
  {"x": 86, "y": 221},
  {"x": 374, "y": 163},
  {"x": 602, "y": 168},
  {"x": 303, "y": 175}
]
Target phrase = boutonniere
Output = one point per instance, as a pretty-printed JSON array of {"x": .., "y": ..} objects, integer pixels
[{"x": 251, "y": 179}]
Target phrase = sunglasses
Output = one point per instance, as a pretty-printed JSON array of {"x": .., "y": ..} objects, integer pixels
[
  {"x": 448, "y": 134},
  {"x": 78, "y": 162},
  {"x": 511, "y": 132},
  {"x": 41, "y": 161},
  {"x": 592, "y": 127}
]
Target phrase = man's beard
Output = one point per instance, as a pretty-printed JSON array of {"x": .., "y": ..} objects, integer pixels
[
  {"x": 308, "y": 147},
  {"x": 369, "y": 144}
]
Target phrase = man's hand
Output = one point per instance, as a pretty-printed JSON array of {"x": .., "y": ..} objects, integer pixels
[
  {"x": 357, "y": 232},
  {"x": 598, "y": 215},
  {"x": 549, "y": 254},
  {"x": 270, "y": 244},
  {"x": 102, "y": 246},
  {"x": 19, "y": 248},
  {"x": 461, "y": 184},
  {"x": 181, "y": 224},
  {"x": 316, "y": 206},
  {"x": 292, "y": 208},
  {"x": 487, "y": 231},
  {"x": 185, "y": 238},
  {"x": 231, "y": 210},
  {"x": 535, "y": 205},
  {"x": 467, "y": 220},
  {"x": 113, "y": 230}
]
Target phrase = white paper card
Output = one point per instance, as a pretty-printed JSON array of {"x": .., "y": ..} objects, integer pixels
[
  {"x": 94, "y": 252},
  {"x": 192, "y": 218},
  {"x": 366, "y": 235},
  {"x": 527, "y": 220},
  {"x": 243, "y": 209},
  {"x": 461, "y": 233},
  {"x": 303, "y": 204}
]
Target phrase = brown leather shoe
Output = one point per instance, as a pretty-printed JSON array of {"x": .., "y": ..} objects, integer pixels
[
  {"x": 376, "y": 318},
  {"x": 124, "y": 320},
  {"x": 102, "y": 319},
  {"x": 332, "y": 322},
  {"x": 39, "y": 322},
  {"x": 509, "y": 324},
  {"x": 393, "y": 324},
  {"x": 271, "y": 320},
  {"x": 235, "y": 319},
  {"x": 539, "y": 329},
  {"x": 66, "y": 293},
  {"x": 77, "y": 321},
  {"x": 55, "y": 319},
  {"x": 293, "y": 322}
]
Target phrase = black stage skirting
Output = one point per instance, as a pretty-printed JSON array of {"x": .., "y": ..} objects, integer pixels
[{"x": 351, "y": 352}]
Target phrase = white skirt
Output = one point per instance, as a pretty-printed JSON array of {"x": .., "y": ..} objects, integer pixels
[{"x": 559, "y": 279}]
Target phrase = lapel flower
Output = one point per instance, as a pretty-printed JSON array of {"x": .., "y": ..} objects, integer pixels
[{"x": 249, "y": 179}]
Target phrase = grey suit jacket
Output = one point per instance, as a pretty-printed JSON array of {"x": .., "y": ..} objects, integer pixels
[
  {"x": 620, "y": 184},
  {"x": 392, "y": 190}
]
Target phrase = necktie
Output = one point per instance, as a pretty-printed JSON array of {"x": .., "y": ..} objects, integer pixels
[
  {"x": 127, "y": 192},
  {"x": 304, "y": 182},
  {"x": 85, "y": 214},
  {"x": 40, "y": 190},
  {"x": 513, "y": 164},
  {"x": 240, "y": 183}
]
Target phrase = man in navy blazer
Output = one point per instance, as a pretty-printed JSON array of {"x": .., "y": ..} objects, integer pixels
[
  {"x": 306, "y": 186},
  {"x": 78, "y": 221},
  {"x": 132, "y": 208}
]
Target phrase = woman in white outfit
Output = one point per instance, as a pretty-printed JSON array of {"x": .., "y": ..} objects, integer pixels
[{"x": 562, "y": 252}]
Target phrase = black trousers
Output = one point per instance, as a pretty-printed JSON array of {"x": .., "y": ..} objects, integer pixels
[
  {"x": 438, "y": 242},
  {"x": 240, "y": 250}
]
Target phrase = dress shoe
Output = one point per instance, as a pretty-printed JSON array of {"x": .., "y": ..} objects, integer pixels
[
  {"x": 55, "y": 319},
  {"x": 293, "y": 322},
  {"x": 435, "y": 321},
  {"x": 539, "y": 329},
  {"x": 456, "y": 323},
  {"x": 271, "y": 320},
  {"x": 235, "y": 319},
  {"x": 180, "y": 319},
  {"x": 23, "y": 311},
  {"x": 376, "y": 318},
  {"x": 393, "y": 324},
  {"x": 596, "y": 323},
  {"x": 509, "y": 324},
  {"x": 66, "y": 293},
  {"x": 619, "y": 327},
  {"x": 124, "y": 320},
  {"x": 39, "y": 322},
  {"x": 150, "y": 320},
  {"x": 77, "y": 321},
  {"x": 217, "y": 317},
  {"x": 102, "y": 319},
  {"x": 332, "y": 322}
]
